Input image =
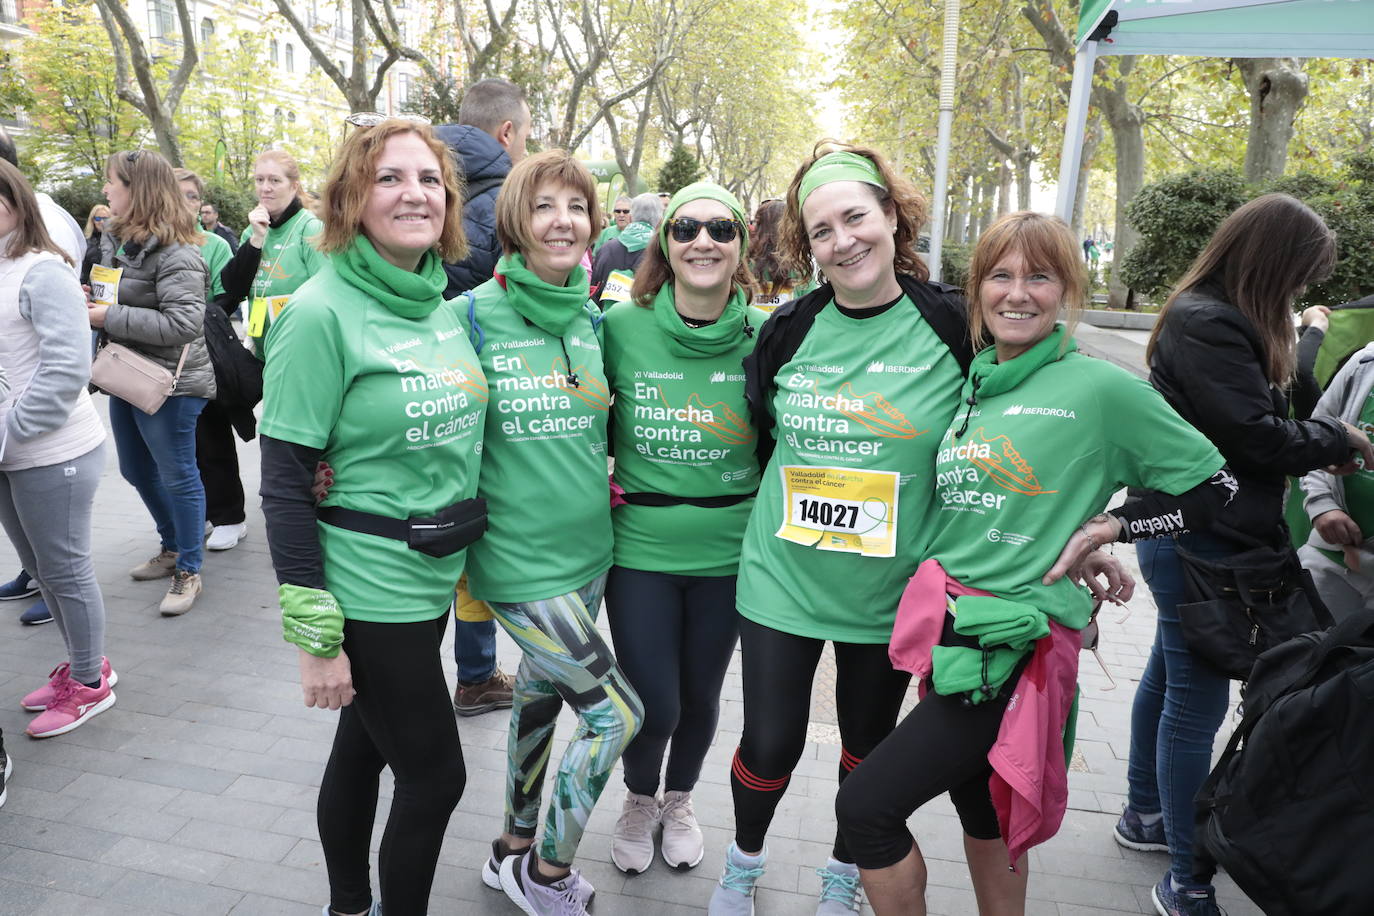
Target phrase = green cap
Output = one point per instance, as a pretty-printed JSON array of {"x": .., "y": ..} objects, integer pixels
[
  {"x": 707, "y": 190},
  {"x": 840, "y": 165}
]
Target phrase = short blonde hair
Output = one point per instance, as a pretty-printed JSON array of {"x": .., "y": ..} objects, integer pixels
[
  {"x": 515, "y": 203},
  {"x": 351, "y": 176},
  {"x": 1046, "y": 244}
]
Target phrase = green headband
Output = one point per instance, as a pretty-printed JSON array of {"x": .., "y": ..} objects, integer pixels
[
  {"x": 704, "y": 190},
  {"x": 840, "y": 165}
]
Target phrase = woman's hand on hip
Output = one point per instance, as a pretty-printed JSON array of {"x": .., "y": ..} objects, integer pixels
[
  {"x": 1096, "y": 531},
  {"x": 326, "y": 682}
]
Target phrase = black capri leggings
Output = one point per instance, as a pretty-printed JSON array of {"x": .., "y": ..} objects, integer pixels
[
  {"x": 402, "y": 717},
  {"x": 778, "y": 671},
  {"x": 942, "y": 745}
]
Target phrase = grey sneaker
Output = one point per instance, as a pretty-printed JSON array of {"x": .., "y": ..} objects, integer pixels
[
  {"x": 159, "y": 567},
  {"x": 841, "y": 892},
  {"x": 562, "y": 898},
  {"x": 632, "y": 841},
  {"x": 682, "y": 843},
  {"x": 734, "y": 894},
  {"x": 491, "y": 874},
  {"x": 182, "y": 594},
  {"x": 1132, "y": 834}
]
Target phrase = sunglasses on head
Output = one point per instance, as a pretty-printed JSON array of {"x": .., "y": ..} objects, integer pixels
[
  {"x": 684, "y": 229},
  {"x": 373, "y": 118}
]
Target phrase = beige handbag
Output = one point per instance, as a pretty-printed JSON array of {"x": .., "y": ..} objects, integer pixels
[{"x": 135, "y": 378}]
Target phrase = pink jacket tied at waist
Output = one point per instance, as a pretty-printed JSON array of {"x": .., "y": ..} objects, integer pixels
[{"x": 1030, "y": 779}]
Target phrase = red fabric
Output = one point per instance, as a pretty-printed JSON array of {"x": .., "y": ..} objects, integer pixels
[{"x": 1030, "y": 779}]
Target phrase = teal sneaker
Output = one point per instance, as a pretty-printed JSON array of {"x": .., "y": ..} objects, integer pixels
[
  {"x": 841, "y": 892},
  {"x": 734, "y": 895}
]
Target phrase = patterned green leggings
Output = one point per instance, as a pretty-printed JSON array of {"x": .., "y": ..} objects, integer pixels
[{"x": 565, "y": 658}]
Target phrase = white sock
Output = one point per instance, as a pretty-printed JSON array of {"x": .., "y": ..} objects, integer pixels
[
  {"x": 1149, "y": 820},
  {"x": 740, "y": 855},
  {"x": 843, "y": 868}
]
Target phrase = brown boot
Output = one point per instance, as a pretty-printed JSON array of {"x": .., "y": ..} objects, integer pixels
[{"x": 493, "y": 693}]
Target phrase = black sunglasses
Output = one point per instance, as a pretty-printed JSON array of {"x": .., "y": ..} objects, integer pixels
[
  {"x": 624, "y": 212},
  {"x": 685, "y": 229}
]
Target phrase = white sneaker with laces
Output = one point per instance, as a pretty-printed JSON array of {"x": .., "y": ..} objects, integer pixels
[
  {"x": 226, "y": 537},
  {"x": 682, "y": 843},
  {"x": 632, "y": 842}
]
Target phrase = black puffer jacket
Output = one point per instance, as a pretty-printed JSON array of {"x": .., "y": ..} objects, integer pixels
[
  {"x": 162, "y": 295},
  {"x": 1208, "y": 363},
  {"x": 485, "y": 165}
]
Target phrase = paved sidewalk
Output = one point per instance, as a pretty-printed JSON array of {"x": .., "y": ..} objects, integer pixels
[{"x": 195, "y": 794}]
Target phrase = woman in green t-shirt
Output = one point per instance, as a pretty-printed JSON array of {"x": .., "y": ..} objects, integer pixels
[
  {"x": 370, "y": 370},
  {"x": 687, "y": 461},
  {"x": 1042, "y": 438}
]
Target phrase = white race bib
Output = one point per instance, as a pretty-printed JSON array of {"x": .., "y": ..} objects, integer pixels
[{"x": 846, "y": 509}]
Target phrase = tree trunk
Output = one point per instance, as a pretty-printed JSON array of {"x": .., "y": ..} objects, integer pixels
[
  {"x": 958, "y": 215},
  {"x": 1003, "y": 189},
  {"x": 1128, "y": 137},
  {"x": 1277, "y": 89},
  {"x": 1092, "y": 138},
  {"x": 1023, "y": 181}
]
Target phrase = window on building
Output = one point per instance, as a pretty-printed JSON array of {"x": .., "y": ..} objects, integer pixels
[
  {"x": 162, "y": 19},
  {"x": 403, "y": 89},
  {"x": 275, "y": 51},
  {"x": 290, "y": 58},
  {"x": 207, "y": 30}
]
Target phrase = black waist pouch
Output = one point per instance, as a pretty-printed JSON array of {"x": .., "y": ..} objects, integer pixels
[{"x": 441, "y": 535}]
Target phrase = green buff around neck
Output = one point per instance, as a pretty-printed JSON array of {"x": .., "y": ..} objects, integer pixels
[
  {"x": 549, "y": 307},
  {"x": 840, "y": 165},
  {"x": 410, "y": 294}
]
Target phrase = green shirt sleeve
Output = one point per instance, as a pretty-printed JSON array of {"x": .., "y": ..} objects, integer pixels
[
  {"x": 305, "y": 376},
  {"x": 1152, "y": 445}
]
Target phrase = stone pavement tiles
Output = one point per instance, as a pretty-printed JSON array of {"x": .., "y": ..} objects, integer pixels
[{"x": 195, "y": 794}]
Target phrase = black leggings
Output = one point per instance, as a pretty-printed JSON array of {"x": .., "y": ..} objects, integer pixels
[
  {"x": 403, "y": 718},
  {"x": 942, "y": 745},
  {"x": 778, "y": 669},
  {"x": 674, "y": 636}
]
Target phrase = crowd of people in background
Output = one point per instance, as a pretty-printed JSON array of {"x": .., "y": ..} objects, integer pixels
[{"x": 482, "y": 397}]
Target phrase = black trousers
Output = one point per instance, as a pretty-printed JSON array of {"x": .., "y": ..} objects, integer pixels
[{"x": 217, "y": 457}]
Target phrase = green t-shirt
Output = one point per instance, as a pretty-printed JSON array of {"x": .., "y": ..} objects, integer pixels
[
  {"x": 397, "y": 405},
  {"x": 216, "y": 252},
  {"x": 681, "y": 427},
  {"x": 866, "y": 399},
  {"x": 288, "y": 260},
  {"x": 544, "y": 457},
  {"x": 1047, "y": 444},
  {"x": 610, "y": 232}
]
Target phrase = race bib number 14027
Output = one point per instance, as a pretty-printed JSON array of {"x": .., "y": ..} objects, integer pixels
[{"x": 844, "y": 509}]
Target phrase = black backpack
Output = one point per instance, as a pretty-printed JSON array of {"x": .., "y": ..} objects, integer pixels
[
  {"x": 238, "y": 373},
  {"x": 1288, "y": 811}
]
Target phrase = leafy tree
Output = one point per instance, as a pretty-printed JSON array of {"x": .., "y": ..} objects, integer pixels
[
  {"x": 1175, "y": 217},
  {"x": 159, "y": 87},
  {"x": 14, "y": 94},
  {"x": 233, "y": 203},
  {"x": 680, "y": 170},
  {"x": 77, "y": 197}
]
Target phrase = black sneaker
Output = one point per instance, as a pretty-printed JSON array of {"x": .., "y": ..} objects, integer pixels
[
  {"x": 6, "y": 768},
  {"x": 21, "y": 586},
  {"x": 1190, "y": 901}
]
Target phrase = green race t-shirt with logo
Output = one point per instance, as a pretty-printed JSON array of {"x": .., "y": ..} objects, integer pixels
[
  {"x": 398, "y": 406},
  {"x": 1046, "y": 445},
  {"x": 544, "y": 458},
  {"x": 842, "y": 517},
  {"x": 288, "y": 260},
  {"x": 216, "y": 252},
  {"x": 681, "y": 427}
]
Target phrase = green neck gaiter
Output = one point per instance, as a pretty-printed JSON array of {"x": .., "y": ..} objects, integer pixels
[
  {"x": 409, "y": 294},
  {"x": 698, "y": 343},
  {"x": 636, "y": 236},
  {"x": 551, "y": 308},
  {"x": 992, "y": 378}
]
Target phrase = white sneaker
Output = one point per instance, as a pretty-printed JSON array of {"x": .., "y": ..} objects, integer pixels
[
  {"x": 734, "y": 894},
  {"x": 226, "y": 537},
  {"x": 841, "y": 892},
  {"x": 682, "y": 844},
  {"x": 632, "y": 843}
]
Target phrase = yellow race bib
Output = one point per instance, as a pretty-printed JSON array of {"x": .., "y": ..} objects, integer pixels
[
  {"x": 845, "y": 509},
  {"x": 617, "y": 286},
  {"x": 105, "y": 285},
  {"x": 257, "y": 312}
]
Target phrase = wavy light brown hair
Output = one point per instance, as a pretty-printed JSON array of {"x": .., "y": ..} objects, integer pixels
[
  {"x": 767, "y": 267},
  {"x": 30, "y": 232},
  {"x": 1047, "y": 245},
  {"x": 1262, "y": 256},
  {"x": 156, "y": 207},
  {"x": 353, "y": 173},
  {"x": 515, "y": 203},
  {"x": 900, "y": 197}
]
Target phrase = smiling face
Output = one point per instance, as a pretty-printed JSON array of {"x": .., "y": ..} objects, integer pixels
[
  {"x": 117, "y": 193},
  {"x": 404, "y": 215},
  {"x": 559, "y": 231},
  {"x": 851, "y": 237},
  {"x": 274, "y": 189},
  {"x": 704, "y": 266},
  {"x": 1018, "y": 304}
]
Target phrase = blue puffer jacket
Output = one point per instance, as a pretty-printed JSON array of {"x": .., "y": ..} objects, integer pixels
[{"x": 485, "y": 165}]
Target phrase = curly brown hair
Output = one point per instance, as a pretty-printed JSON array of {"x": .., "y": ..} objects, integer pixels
[{"x": 900, "y": 197}]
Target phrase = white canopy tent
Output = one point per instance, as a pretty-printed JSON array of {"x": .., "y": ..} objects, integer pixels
[{"x": 1203, "y": 28}]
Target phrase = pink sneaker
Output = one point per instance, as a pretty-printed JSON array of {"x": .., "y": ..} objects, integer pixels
[
  {"x": 41, "y": 698},
  {"x": 72, "y": 705}
]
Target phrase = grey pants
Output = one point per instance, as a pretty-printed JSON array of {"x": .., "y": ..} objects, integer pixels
[{"x": 46, "y": 511}]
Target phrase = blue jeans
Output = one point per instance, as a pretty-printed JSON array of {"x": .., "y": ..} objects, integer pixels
[
  {"x": 1178, "y": 708},
  {"x": 157, "y": 454},
  {"x": 474, "y": 648}
]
